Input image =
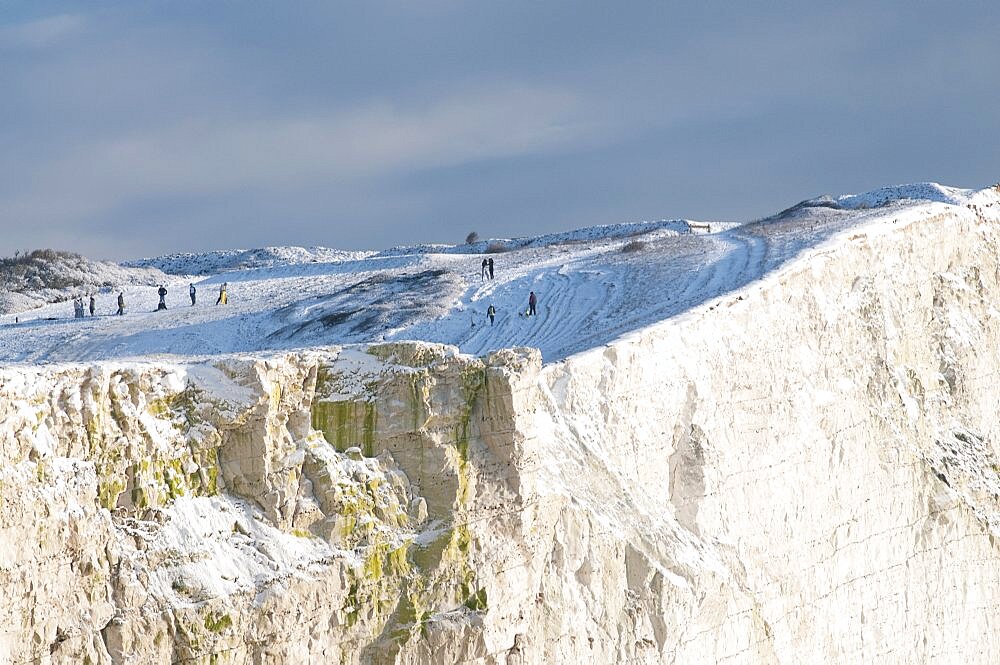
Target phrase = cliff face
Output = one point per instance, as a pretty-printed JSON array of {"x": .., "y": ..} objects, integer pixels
[
  {"x": 810, "y": 465},
  {"x": 804, "y": 471},
  {"x": 333, "y": 506}
]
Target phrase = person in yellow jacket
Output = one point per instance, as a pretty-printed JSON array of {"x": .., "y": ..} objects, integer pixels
[{"x": 223, "y": 295}]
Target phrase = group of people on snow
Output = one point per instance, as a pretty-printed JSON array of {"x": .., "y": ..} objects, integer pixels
[
  {"x": 491, "y": 311},
  {"x": 193, "y": 294},
  {"x": 161, "y": 291},
  {"x": 79, "y": 309},
  {"x": 487, "y": 271}
]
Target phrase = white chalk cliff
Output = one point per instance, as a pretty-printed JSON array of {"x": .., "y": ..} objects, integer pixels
[{"x": 804, "y": 470}]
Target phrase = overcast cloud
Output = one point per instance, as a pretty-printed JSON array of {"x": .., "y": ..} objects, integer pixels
[{"x": 131, "y": 129}]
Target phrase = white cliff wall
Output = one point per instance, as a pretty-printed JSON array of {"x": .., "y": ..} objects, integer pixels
[
  {"x": 824, "y": 443},
  {"x": 339, "y": 506},
  {"x": 804, "y": 471}
]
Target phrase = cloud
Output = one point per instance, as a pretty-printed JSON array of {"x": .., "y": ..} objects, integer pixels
[
  {"x": 180, "y": 118},
  {"x": 40, "y": 33},
  {"x": 364, "y": 143}
]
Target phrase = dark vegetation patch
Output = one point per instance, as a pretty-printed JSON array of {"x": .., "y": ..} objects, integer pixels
[
  {"x": 360, "y": 310},
  {"x": 821, "y": 202}
]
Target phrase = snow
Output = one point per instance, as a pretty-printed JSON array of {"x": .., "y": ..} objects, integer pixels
[
  {"x": 589, "y": 290},
  {"x": 215, "y": 382},
  {"x": 215, "y": 546},
  {"x": 210, "y": 263}
]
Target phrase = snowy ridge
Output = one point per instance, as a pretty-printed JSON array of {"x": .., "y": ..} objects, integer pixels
[
  {"x": 589, "y": 234},
  {"x": 924, "y": 191},
  {"x": 210, "y": 263},
  {"x": 221, "y": 261},
  {"x": 593, "y": 286}
]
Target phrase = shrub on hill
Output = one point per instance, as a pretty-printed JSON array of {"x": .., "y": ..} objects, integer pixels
[{"x": 36, "y": 270}]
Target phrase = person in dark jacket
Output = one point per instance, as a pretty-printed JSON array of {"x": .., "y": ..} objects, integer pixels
[
  {"x": 491, "y": 267},
  {"x": 491, "y": 312},
  {"x": 532, "y": 301},
  {"x": 482, "y": 272},
  {"x": 93, "y": 305},
  {"x": 192, "y": 292},
  {"x": 121, "y": 304},
  {"x": 163, "y": 298}
]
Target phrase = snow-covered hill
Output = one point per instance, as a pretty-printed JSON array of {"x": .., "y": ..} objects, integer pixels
[{"x": 593, "y": 286}]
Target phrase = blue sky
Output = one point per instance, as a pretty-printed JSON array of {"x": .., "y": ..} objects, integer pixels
[{"x": 131, "y": 129}]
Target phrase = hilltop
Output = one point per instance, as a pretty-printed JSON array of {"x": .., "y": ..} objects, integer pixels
[{"x": 593, "y": 285}]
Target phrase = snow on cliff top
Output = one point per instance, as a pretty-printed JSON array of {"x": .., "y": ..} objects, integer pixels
[{"x": 593, "y": 285}]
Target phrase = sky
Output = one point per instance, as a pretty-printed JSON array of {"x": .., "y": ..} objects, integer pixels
[{"x": 133, "y": 129}]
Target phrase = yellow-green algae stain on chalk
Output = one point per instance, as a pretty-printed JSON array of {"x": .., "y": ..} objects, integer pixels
[
  {"x": 217, "y": 623},
  {"x": 347, "y": 423}
]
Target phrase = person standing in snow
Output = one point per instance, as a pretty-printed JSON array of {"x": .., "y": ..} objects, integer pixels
[
  {"x": 93, "y": 304},
  {"x": 532, "y": 301},
  {"x": 491, "y": 312},
  {"x": 193, "y": 292},
  {"x": 223, "y": 296},
  {"x": 77, "y": 308},
  {"x": 482, "y": 272},
  {"x": 121, "y": 304},
  {"x": 163, "y": 298},
  {"x": 491, "y": 267}
]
